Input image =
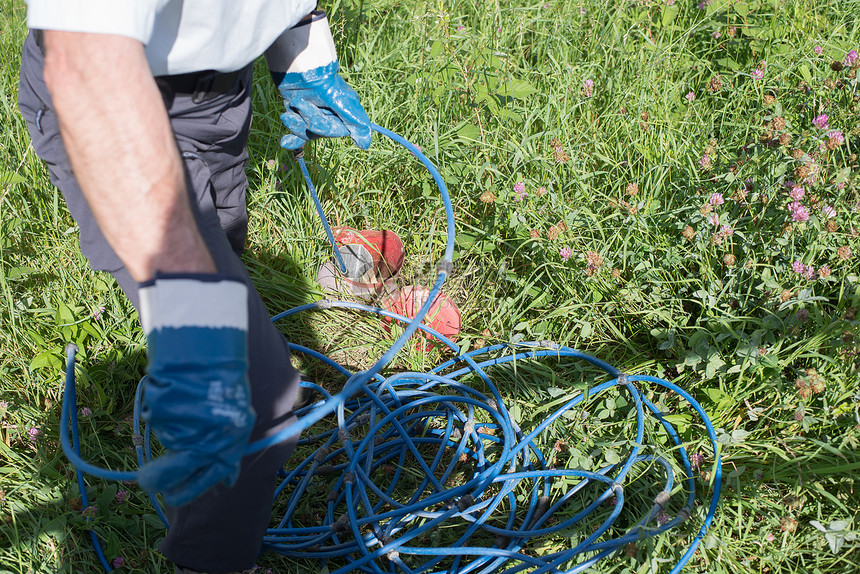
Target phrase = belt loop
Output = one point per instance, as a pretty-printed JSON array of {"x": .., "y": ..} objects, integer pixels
[
  {"x": 39, "y": 37},
  {"x": 203, "y": 88}
]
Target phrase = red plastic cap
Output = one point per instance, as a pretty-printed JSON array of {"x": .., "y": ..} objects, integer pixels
[{"x": 443, "y": 315}]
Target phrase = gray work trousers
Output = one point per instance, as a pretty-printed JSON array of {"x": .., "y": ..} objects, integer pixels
[{"x": 222, "y": 530}]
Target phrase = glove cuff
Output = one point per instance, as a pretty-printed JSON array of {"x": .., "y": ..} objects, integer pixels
[
  {"x": 306, "y": 46},
  {"x": 192, "y": 300}
]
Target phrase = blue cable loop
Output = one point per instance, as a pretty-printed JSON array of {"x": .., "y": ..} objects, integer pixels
[
  {"x": 299, "y": 156},
  {"x": 406, "y": 455}
]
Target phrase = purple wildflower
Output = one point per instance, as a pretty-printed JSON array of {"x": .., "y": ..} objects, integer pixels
[
  {"x": 798, "y": 211},
  {"x": 717, "y": 199},
  {"x": 818, "y": 50},
  {"x": 820, "y": 121},
  {"x": 34, "y": 433},
  {"x": 520, "y": 190},
  {"x": 690, "y": 97},
  {"x": 828, "y": 211},
  {"x": 851, "y": 59},
  {"x": 714, "y": 219},
  {"x": 118, "y": 562},
  {"x": 796, "y": 193},
  {"x": 588, "y": 88},
  {"x": 758, "y": 74},
  {"x": 565, "y": 253},
  {"x": 837, "y": 136},
  {"x": 120, "y": 496},
  {"x": 696, "y": 460},
  {"x": 803, "y": 269}
]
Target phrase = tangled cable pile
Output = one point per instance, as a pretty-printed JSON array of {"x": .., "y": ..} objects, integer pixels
[
  {"x": 405, "y": 460},
  {"x": 418, "y": 453}
]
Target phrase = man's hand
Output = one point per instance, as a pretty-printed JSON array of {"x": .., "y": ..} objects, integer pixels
[
  {"x": 196, "y": 397},
  {"x": 318, "y": 102}
]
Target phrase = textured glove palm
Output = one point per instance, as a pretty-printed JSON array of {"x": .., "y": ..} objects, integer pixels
[
  {"x": 196, "y": 396},
  {"x": 320, "y": 103}
]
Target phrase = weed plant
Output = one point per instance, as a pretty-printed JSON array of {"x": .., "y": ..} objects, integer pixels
[{"x": 670, "y": 186}]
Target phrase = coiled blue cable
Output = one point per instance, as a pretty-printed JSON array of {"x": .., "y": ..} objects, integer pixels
[{"x": 450, "y": 457}]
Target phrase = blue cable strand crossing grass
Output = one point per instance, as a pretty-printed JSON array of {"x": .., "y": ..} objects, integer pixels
[{"x": 431, "y": 472}]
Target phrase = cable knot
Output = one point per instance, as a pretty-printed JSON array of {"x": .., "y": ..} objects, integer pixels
[
  {"x": 321, "y": 454},
  {"x": 684, "y": 514},
  {"x": 445, "y": 266},
  {"x": 137, "y": 439},
  {"x": 360, "y": 420},
  {"x": 332, "y": 495},
  {"x": 343, "y": 435},
  {"x": 324, "y": 304},
  {"x": 465, "y": 502},
  {"x": 325, "y": 469},
  {"x": 621, "y": 379},
  {"x": 662, "y": 499},
  {"x": 549, "y": 344},
  {"x": 349, "y": 478},
  {"x": 299, "y": 153},
  {"x": 540, "y": 510},
  {"x": 469, "y": 428},
  {"x": 392, "y": 555},
  {"x": 341, "y": 525}
]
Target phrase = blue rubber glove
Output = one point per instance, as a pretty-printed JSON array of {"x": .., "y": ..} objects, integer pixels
[
  {"x": 196, "y": 397},
  {"x": 319, "y": 103}
]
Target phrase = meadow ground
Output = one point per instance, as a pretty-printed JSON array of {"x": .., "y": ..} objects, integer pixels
[{"x": 671, "y": 186}]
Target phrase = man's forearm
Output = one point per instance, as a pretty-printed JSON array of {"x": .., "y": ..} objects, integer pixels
[{"x": 121, "y": 146}]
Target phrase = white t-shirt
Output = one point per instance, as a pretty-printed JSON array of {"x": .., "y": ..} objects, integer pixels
[{"x": 179, "y": 35}]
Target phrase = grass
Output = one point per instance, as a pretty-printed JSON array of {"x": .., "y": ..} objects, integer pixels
[{"x": 655, "y": 232}]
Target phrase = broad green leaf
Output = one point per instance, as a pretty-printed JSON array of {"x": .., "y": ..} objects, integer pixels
[
  {"x": 729, "y": 63},
  {"x": 11, "y": 178},
  {"x": 64, "y": 315},
  {"x": 520, "y": 89},
  {"x": 469, "y": 132},
  {"x": 46, "y": 359},
  {"x": 153, "y": 520},
  {"x": 14, "y": 273},
  {"x": 585, "y": 331},
  {"x": 669, "y": 14}
]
